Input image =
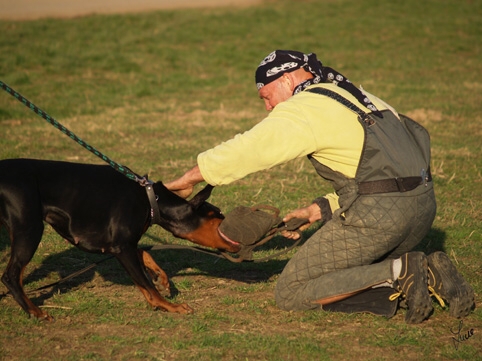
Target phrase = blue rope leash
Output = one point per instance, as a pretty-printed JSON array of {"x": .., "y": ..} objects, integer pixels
[{"x": 120, "y": 168}]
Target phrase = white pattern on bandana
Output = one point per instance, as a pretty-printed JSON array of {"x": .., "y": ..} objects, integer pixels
[
  {"x": 277, "y": 69},
  {"x": 268, "y": 59}
]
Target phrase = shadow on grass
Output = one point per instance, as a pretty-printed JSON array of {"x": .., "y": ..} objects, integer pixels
[
  {"x": 432, "y": 242},
  {"x": 174, "y": 261}
]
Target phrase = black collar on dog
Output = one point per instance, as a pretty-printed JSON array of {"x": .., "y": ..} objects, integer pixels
[{"x": 155, "y": 214}]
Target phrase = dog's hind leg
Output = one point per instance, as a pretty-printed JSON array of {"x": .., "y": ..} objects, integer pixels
[
  {"x": 133, "y": 263},
  {"x": 158, "y": 276},
  {"x": 25, "y": 239}
]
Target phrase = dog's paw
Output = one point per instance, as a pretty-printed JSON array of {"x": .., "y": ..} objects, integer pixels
[
  {"x": 41, "y": 316},
  {"x": 184, "y": 308}
]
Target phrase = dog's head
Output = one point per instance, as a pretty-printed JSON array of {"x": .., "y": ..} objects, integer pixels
[{"x": 195, "y": 220}]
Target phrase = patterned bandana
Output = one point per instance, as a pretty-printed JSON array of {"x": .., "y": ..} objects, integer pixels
[{"x": 280, "y": 62}]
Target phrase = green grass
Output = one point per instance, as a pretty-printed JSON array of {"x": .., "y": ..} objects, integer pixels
[{"x": 153, "y": 90}]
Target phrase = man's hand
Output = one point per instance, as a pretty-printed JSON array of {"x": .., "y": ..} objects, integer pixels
[
  {"x": 183, "y": 193},
  {"x": 312, "y": 213},
  {"x": 184, "y": 185}
]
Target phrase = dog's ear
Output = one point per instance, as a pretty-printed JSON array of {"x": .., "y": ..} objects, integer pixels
[{"x": 201, "y": 197}]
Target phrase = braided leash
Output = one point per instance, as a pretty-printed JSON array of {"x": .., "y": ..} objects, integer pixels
[
  {"x": 143, "y": 181},
  {"x": 120, "y": 168}
]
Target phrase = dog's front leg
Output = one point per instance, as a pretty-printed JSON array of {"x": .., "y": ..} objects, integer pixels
[
  {"x": 129, "y": 258},
  {"x": 157, "y": 274}
]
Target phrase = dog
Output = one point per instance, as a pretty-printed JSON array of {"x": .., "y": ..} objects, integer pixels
[{"x": 98, "y": 210}]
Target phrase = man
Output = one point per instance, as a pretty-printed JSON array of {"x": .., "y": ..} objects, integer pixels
[{"x": 377, "y": 160}]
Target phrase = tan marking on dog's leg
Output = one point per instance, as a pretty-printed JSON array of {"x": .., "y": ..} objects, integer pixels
[{"x": 158, "y": 276}]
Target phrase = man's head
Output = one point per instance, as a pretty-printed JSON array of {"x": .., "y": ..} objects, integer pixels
[
  {"x": 284, "y": 73},
  {"x": 280, "y": 73}
]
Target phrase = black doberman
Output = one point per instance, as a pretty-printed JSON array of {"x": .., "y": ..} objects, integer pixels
[{"x": 98, "y": 210}]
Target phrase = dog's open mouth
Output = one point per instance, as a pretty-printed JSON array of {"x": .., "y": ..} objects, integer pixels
[{"x": 226, "y": 238}]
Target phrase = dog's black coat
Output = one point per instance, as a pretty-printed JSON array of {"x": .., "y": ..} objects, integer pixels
[{"x": 97, "y": 209}]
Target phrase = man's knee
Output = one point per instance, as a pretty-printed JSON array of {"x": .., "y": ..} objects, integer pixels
[{"x": 292, "y": 299}]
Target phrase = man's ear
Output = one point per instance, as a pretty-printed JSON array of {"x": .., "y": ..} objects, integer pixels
[{"x": 289, "y": 79}]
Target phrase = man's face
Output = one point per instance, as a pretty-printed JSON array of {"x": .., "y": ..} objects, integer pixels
[{"x": 276, "y": 92}]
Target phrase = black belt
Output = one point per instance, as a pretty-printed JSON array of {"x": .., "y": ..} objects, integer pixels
[{"x": 393, "y": 184}]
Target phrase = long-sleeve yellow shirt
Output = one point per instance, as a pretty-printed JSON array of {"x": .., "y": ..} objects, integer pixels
[{"x": 306, "y": 123}]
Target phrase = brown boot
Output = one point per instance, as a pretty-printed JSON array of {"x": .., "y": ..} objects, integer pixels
[
  {"x": 446, "y": 283},
  {"x": 412, "y": 286}
]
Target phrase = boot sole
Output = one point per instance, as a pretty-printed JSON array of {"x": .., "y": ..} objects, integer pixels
[
  {"x": 455, "y": 290},
  {"x": 420, "y": 303}
]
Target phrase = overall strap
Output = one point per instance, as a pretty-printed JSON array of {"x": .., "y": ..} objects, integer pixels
[{"x": 335, "y": 96}]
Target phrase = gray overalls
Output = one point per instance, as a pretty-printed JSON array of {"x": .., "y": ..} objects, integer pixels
[{"x": 384, "y": 212}]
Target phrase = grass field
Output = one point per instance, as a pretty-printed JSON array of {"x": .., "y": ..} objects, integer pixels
[{"x": 153, "y": 90}]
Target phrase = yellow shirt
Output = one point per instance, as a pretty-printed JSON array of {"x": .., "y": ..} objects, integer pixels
[{"x": 306, "y": 123}]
